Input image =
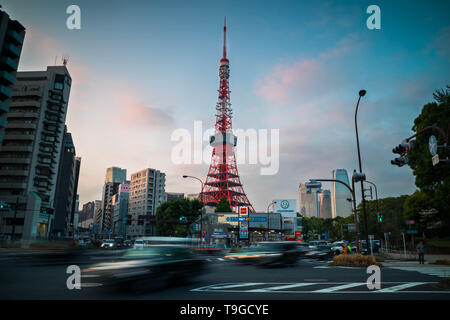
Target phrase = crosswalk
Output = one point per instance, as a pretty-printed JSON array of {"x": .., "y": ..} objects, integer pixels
[
  {"x": 438, "y": 271},
  {"x": 323, "y": 288}
]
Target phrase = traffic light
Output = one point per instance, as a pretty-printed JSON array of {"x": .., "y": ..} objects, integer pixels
[
  {"x": 358, "y": 176},
  {"x": 379, "y": 217},
  {"x": 182, "y": 220},
  {"x": 4, "y": 207},
  {"x": 402, "y": 149}
]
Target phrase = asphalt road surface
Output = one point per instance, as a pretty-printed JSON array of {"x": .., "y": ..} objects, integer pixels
[{"x": 227, "y": 279}]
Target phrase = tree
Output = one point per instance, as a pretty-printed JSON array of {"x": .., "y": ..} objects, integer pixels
[
  {"x": 169, "y": 213},
  {"x": 433, "y": 181},
  {"x": 223, "y": 206}
]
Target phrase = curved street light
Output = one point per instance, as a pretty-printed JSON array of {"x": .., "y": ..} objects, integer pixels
[
  {"x": 361, "y": 93},
  {"x": 201, "y": 211}
]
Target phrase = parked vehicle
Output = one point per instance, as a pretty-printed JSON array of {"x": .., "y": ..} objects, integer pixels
[
  {"x": 109, "y": 244},
  {"x": 314, "y": 244}
]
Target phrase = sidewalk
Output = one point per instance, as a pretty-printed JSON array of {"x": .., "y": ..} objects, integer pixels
[{"x": 398, "y": 260}]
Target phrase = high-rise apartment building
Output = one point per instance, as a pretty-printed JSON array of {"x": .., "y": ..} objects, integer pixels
[
  {"x": 340, "y": 205},
  {"x": 31, "y": 150},
  {"x": 147, "y": 192},
  {"x": 12, "y": 35},
  {"x": 66, "y": 188}
]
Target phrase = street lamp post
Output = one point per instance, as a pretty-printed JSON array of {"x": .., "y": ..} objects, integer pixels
[
  {"x": 201, "y": 211},
  {"x": 352, "y": 190},
  {"x": 362, "y": 93},
  {"x": 268, "y": 218}
]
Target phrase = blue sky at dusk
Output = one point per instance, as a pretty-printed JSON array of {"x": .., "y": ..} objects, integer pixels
[{"x": 142, "y": 69}]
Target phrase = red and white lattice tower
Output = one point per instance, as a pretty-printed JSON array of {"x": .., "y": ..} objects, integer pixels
[{"x": 223, "y": 179}]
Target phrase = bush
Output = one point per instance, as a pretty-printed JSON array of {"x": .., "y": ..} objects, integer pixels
[
  {"x": 354, "y": 260},
  {"x": 444, "y": 283},
  {"x": 443, "y": 262}
]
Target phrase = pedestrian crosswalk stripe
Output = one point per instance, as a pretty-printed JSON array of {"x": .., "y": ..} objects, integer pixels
[
  {"x": 401, "y": 287},
  {"x": 270, "y": 289},
  {"x": 331, "y": 288},
  {"x": 236, "y": 285},
  {"x": 344, "y": 286}
]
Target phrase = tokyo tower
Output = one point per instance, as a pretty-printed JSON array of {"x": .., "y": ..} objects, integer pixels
[{"x": 223, "y": 179}]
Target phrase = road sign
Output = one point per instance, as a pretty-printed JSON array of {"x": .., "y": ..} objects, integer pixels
[
  {"x": 435, "y": 159},
  {"x": 412, "y": 231},
  {"x": 298, "y": 233},
  {"x": 432, "y": 145},
  {"x": 409, "y": 222}
]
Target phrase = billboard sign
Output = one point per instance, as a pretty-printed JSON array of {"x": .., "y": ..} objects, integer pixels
[{"x": 284, "y": 206}]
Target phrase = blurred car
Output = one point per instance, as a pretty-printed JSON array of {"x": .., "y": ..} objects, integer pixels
[
  {"x": 302, "y": 248},
  {"x": 84, "y": 242},
  {"x": 109, "y": 244},
  {"x": 336, "y": 247},
  {"x": 320, "y": 252},
  {"x": 269, "y": 253},
  {"x": 315, "y": 244},
  {"x": 128, "y": 243},
  {"x": 211, "y": 249},
  {"x": 152, "y": 267}
]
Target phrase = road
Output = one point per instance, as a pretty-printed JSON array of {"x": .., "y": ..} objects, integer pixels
[{"x": 226, "y": 279}]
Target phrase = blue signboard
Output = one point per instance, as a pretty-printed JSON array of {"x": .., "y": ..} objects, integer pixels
[
  {"x": 252, "y": 219},
  {"x": 95, "y": 229}
]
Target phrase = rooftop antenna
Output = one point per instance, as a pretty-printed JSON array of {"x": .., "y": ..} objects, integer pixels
[
  {"x": 65, "y": 60},
  {"x": 56, "y": 57},
  {"x": 224, "y": 37}
]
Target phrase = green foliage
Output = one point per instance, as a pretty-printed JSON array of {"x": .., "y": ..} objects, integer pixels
[
  {"x": 433, "y": 181},
  {"x": 223, "y": 206},
  {"x": 169, "y": 213}
]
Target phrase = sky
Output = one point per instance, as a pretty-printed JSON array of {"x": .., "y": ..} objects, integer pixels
[{"x": 143, "y": 69}]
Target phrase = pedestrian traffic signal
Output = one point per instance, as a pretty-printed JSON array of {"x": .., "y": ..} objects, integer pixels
[{"x": 183, "y": 220}]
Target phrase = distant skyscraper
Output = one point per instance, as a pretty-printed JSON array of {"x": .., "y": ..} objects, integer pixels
[
  {"x": 308, "y": 202},
  {"x": 325, "y": 204},
  {"x": 31, "y": 149},
  {"x": 115, "y": 174},
  {"x": 147, "y": 192},
  {"x": 113, "y": 178},
  {"x": 340, "y": 206},
  {"x": 12, "y": 34}
]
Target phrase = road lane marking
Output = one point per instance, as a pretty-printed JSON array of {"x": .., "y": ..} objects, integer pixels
[
  {"x": 270, "y": 289},
  {"x": 345, "y": 286},
  {"x": 400, "y": 287},
  {"x": 237, "y": 285},
  {"x": 90, "y": 276},
  {"x": 90, "y": 284},
  {"x": 220, "y": 259}
]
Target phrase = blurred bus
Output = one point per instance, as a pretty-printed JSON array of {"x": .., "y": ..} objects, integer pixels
[{"x": 144, "y": 242}]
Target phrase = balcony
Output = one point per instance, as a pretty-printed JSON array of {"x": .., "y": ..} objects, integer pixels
[
  {"x": 23, "y": 115},
  {"x": 8, "y": 63},
  {"x": 6, "y": 78},
  {"x": 15, "y": 160},
  {"x": 21, "y": 125},
  {"x": 20, "y": 173},
  {"x": 13, "y": 185},
  {"x": 27, "y": 103},
  {"x": 17, "y": 148},
  {"x": 19, "y": 137},
  {"x": 15, "y": 38},
  {"x": 5, "y": 93},
  {"x": 12, "y": 50},
  {"x": 4, "y": 107}
]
